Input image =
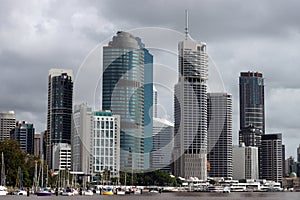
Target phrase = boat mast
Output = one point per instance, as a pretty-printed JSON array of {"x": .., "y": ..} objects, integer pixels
[
  {"x": 42, "y": 165},
  {"x": 3, "y": 178}
]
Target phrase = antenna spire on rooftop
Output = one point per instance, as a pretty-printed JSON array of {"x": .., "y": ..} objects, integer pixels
[{"x": 186, "y": 30}]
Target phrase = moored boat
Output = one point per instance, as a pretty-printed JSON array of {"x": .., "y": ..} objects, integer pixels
[
  {"x": 43, "y": 193},
  {"x": 121, "y": 191},
  {"x": 3, "y": 190},
  {"x": 88, "y": 193},
  {"x": 215, "y": 188},
  {"x": 107, "y": 191}
]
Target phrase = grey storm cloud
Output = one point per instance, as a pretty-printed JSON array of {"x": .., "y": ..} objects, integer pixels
[{"x": 257, "y": 35}]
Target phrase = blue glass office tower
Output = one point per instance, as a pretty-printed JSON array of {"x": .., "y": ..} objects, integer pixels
[
  {"x": 148, "y": 103},
  {"x": 123, "y": 94}
]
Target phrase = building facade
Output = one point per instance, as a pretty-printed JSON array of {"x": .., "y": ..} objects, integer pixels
[
  {"x": 271, "y": 151},
  {"x": 245, "y": 162},
  {"x": 219, "y": 136},
  {"x": 59, "y": 116},
  {"x": 38, "y": 144},
  {"x": 24, "y": 134},
  {"x": 148, "y": 103},
  {"x": 252, "y": 106},
  {"x": 82, "y": 134},
  {"x": 250, "y": 136},
  {"x": 7, "y": 122},
  {"x": 190, "y": 110},
  {"x": 163, "y": 144},
  {"x": 105, "y": 148},
  {"x": 123, "y": 94},
  {"x": 61, "y": 158}
]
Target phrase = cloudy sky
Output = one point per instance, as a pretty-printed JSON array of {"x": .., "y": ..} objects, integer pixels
[{"x": 256, "y": 35}]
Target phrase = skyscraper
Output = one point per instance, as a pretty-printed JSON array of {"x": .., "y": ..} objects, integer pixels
[
  {"x": 106, "y": 143},
  {"x": 60, "y": 94},
  {"x": 190, "y": 110},
  {"x": 252, "y": 106},
  {"x": 163, "y": 143},
  {"x": 271, "y": 152},
  {"x": 38, "y": 144},
  {"x": 219, "y": 136},
  {"x": 148, "y": 103},
  {"x": 7, "y": 122},
  {"x": 24, "y": 134},
  {"x": 123, "y": 94},
  {"x": 82, "y": 134},
  {"x": 245, "y": 162}
]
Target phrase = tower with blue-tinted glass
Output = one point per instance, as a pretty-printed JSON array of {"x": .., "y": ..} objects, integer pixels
[
  {"x": 123, "y": 94},
  {"x": 148, "y": 103}
]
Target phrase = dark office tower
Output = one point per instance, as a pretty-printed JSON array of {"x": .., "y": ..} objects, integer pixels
[
  {"x": 24, "y": 134},
  {"x": 148, "y": 103},
  {"x": 283, "y": 160},
  {"x": 250, "y": 136},
  {"x": 190, "y": 110},
  {"x": 252, "y": 107},
  {"x": 298, "y": 154},
  {"x": 271, "y": 151},
  {"x": 219, "y": 135},
  {"x": 123, "y": 94},
  {"x": 60, "y": 100}
]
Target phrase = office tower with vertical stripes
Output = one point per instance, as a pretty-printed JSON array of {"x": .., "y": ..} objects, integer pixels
[
  {"x": 190, "y": 110},
  {"x": 219, "y": 135}
]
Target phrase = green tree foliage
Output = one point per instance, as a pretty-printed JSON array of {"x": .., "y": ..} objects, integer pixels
[
  {"x": 157, "y": 178},
  {"x": 14, "y": 157}
]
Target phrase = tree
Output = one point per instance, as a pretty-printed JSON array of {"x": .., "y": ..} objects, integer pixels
[{"x": 14, "y": 157}]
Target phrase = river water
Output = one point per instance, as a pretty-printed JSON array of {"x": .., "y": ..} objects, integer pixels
[{"x": 178, "y": 196}]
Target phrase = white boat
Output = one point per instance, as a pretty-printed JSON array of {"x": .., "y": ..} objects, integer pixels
[
  {"x": 238, "y": 188},
  {"x": 121, "y": 191},
  {"x": 19, "y": 192},
  {"x": 67, "y": 193},
  {"x": 215, "y": 188},
  {"x": 87, "y": 193},
  {"x": 3, "y": 190}
]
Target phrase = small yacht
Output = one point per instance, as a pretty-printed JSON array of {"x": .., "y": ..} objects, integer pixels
[{"x": 3, "y": 190}]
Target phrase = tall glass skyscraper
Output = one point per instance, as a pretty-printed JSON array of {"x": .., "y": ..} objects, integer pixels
[
  {"x": 148, "y": 103},
  {"x": 60, "y": 104},
  {"x": 190, "y": 110},
  {"x": 123, "y": 94},
  {"x": 252, "y": 106},
  {"x": 219, "y": 136}
]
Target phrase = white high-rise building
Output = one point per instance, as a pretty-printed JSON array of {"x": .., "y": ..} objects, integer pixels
[
  {"x": 61, "y": 156},
  {"x": 82, "y": 134},
  {"x": 106, "y": 143},
  {"x": 7, "y": 122},
  {"x": 219, "y": 136},
  {"x": 190, "y": 134},
  {"x": 161, "y": 155},
  {"x": 95, "y": 141},
  {"x": 245, "y": 162}
]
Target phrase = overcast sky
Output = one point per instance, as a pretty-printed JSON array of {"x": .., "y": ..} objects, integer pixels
[{"x": 255, "y": 35}]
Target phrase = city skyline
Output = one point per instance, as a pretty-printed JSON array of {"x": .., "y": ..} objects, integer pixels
[{"x": 236, "y": 42}]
